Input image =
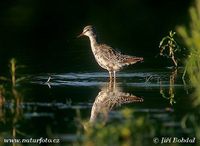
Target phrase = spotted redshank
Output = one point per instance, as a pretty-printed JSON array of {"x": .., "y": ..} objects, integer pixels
[
  {"x": 110, "y": 96},
  {"x": 106, "y": 56}
]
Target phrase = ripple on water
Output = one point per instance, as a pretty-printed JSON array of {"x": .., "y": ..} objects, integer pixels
[{"x": 138, "y": 79}]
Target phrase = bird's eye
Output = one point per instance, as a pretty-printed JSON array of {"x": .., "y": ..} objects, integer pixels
[{"x": 86, "y": 30}]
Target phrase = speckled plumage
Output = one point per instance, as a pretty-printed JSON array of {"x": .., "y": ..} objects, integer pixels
[
  {"x": 106, "y": 56},
  {"x": 109, "y": 97}
]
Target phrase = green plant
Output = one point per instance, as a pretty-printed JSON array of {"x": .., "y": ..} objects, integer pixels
[
  {"x": 129, "y": 131},
  {"x": 191, "y": 38},
  {"x": 170, "y": 95},
  {"x": 169, "y": 47},
  {"x": 13, "y": 70}
]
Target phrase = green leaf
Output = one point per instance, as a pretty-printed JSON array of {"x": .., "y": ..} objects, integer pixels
[
  {"x": 20, "y": 79},
  {"x": 4, "y": 78}
]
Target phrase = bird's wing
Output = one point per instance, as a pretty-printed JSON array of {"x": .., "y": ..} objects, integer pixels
[
  {"x": 107, "y": 53},
  {"x": 126, "y": 59}
]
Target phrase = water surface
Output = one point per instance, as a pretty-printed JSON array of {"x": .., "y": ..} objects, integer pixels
[{"x": 54, "y": 108}]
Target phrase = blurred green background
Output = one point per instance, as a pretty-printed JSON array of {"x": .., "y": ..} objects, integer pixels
[{"x": 42, "y": 34}]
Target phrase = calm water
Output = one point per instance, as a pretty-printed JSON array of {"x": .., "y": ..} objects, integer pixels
[{"x": 54, "y": 109}]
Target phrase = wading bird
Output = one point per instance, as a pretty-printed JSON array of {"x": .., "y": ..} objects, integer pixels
[{"x": 106, "y": 56}]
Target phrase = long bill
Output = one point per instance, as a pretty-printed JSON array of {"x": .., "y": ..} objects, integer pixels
[{"x": 80, "y": 35}]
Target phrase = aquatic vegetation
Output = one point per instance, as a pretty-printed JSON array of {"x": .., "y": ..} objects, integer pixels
[
  {"x": 130, "y": 131},
  {"x": 2, "y": 98},
  {"x": 170, "y": 95},
  {"x": 13, "y": 67},
  {"x": 14, "y": 98},
  {"x": 191, "y": 38},
  {"x": 169, "y": 47},
  {"x": 11, "y": 94},
  {"x": 13, "y": 71}
]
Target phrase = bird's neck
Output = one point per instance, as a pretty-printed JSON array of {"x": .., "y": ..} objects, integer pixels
[{"x": 93, "y": 41}]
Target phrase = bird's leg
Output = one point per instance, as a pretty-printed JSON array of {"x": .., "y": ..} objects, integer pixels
[
  {"x": 114, "y": 79},
  {"x": 110, "y": 74},
  {"x": 114, "y": 74},
  {"x": 110, "y": 81},
  {"x": 111, "y": 84}
]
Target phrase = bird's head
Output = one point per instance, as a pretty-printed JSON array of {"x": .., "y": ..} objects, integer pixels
[{"x": 88, "y": 31}]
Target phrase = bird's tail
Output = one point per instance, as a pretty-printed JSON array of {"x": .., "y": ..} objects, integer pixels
[
  {"x": 132, "y": 60},
  {"x": 129, "y": 99}
]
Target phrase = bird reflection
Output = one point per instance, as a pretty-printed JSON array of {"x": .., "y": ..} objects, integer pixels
[{"x": 109, "y": 97}]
